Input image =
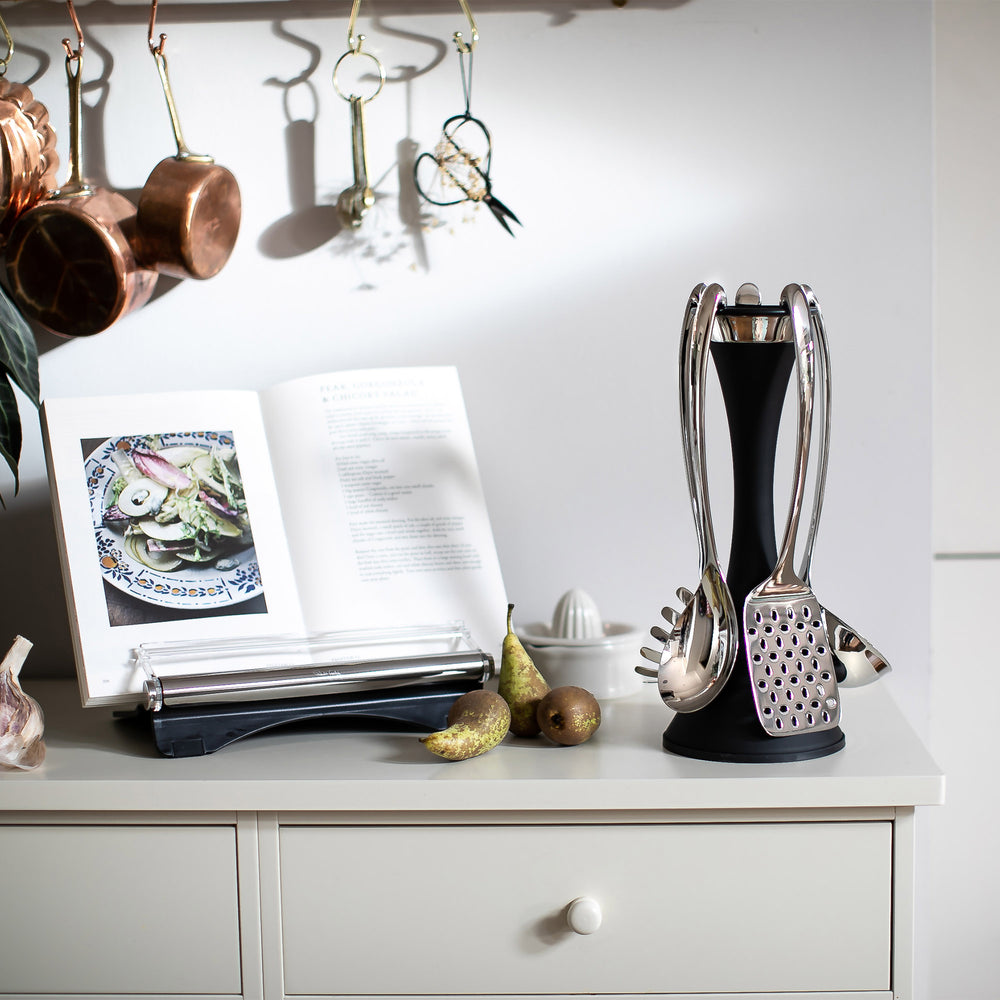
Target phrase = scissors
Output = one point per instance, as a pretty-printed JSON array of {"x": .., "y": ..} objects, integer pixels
[{"x": 462, "y": 159}]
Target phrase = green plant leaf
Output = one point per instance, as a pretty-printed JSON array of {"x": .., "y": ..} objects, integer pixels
[
  {"x": 10, "y": 431},
  {"x": 18, "y": 350}
]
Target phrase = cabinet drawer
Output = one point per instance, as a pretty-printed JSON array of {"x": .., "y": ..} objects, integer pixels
[
  {"x": 757, "y": 907},
  {"x": 119, "y": 909}
]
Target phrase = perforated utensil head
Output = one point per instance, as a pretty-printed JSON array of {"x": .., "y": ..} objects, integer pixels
[{"x": 791, "y": 668}]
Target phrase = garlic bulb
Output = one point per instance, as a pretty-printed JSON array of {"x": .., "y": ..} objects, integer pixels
[{"x": 21, "y": 720}]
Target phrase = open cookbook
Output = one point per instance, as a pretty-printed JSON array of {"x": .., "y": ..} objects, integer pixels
[{"x": 329, "y": 503}]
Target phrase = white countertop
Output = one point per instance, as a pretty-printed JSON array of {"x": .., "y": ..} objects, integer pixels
[{"x": 96, "y": 763}]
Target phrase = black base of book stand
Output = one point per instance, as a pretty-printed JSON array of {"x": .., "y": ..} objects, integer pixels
[
  {"x": 195, "y": 730},
  {"x": 754, "y": 378}
]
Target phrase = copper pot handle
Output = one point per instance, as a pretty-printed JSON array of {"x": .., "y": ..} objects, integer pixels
[
  {"x": 75, "y": 184},
  {"x": 156, "y": 49}
]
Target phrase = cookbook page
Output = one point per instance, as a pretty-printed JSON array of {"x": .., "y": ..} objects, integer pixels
[
  {"x": 384, "y": 511},
  {"x": 169, "y": 528}
]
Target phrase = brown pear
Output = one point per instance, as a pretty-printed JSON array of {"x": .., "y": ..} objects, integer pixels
[
  {"x": 521, "y": 685},
  {"x": 569, "y": 715}
]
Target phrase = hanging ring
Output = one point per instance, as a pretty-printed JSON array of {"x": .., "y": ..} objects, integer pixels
[
  {"x": 381, "y": 76},
  {"x": 71, "y": 53},
  {"x": 466, "y": 46}
]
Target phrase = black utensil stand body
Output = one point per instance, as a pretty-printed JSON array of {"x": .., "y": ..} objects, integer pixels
[{"x": 754, "y": 378}]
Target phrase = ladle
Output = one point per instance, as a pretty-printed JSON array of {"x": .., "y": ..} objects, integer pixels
[
  {"x": 700, "y": 649},
  {"x": 354, "y": 202},
  {"x": 70, "y": 262},
  {"x": 190, "y": 206}
]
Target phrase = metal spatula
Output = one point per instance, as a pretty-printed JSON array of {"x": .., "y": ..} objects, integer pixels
[{"x": 791, "y": 669}]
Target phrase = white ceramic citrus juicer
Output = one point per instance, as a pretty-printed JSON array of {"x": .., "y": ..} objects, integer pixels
[{"x": 580, "y": 648}]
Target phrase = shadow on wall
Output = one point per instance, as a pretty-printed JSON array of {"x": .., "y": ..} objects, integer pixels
[
  {"x": 310, "y": 224},
  {"x": 36, "y": 608}
]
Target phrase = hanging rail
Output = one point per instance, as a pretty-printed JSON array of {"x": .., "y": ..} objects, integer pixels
[{"x": 46, "y": 13}]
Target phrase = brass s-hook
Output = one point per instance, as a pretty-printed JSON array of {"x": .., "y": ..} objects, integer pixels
[
  {"x": 156, "y": 49},
  {"x": 71, "y": 53},
  {"x": 464, "y": 46},
  {"x": 354, "y": 41},
  {"x": 10, "y": 47}
]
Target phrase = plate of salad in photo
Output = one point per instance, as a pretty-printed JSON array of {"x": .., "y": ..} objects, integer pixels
[{"x": 170, "y": 519}]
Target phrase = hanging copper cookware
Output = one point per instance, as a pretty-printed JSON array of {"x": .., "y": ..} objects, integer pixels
[
  {"x": 189, "y": 208},
  {"x": 70, "y": 262},
  {"x": 28, "y": 160}
]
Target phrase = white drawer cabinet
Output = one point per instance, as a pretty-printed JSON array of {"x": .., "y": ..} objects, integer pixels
[
  {"x": 80, "y": 914},
  {"x": 755, "y": 907},
  {"x": 354, "y": 864}
]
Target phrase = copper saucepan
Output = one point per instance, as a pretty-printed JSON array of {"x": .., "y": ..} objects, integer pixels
[
  {"x": 70, "y": 262},
  {"x": 189, "y": 207},
  {"x": 28, "y": 160}
]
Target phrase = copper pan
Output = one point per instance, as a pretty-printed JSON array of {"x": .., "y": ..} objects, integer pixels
[
  {"x": 70, "y": 262},
  {"x": 28, "y": 160},
  {"x": 189, "y": 207}
]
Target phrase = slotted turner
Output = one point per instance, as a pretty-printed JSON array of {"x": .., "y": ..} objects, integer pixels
[{"x": 791, "y": 668}]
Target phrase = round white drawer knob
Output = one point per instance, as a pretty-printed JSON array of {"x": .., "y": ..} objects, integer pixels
[{"x": 584, "y": 915}]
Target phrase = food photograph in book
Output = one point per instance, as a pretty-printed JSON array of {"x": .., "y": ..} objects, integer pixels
[{"x": 173, "y": 536}]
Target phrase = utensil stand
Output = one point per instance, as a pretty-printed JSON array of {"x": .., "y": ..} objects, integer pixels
[{"x": 753, "y": 377}]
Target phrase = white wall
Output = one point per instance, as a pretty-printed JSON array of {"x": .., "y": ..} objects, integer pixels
[
  {"x": 962, "y": 879},
  {"x": 645, "y": 149}
]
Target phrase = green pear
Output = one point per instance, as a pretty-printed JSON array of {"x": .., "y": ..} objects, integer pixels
[
  {"x": 477, "y": 722},
  {"x": 521, "y": 685}
]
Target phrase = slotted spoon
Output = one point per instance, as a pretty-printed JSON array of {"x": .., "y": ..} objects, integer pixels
[{"x": 700, "y": 648}]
